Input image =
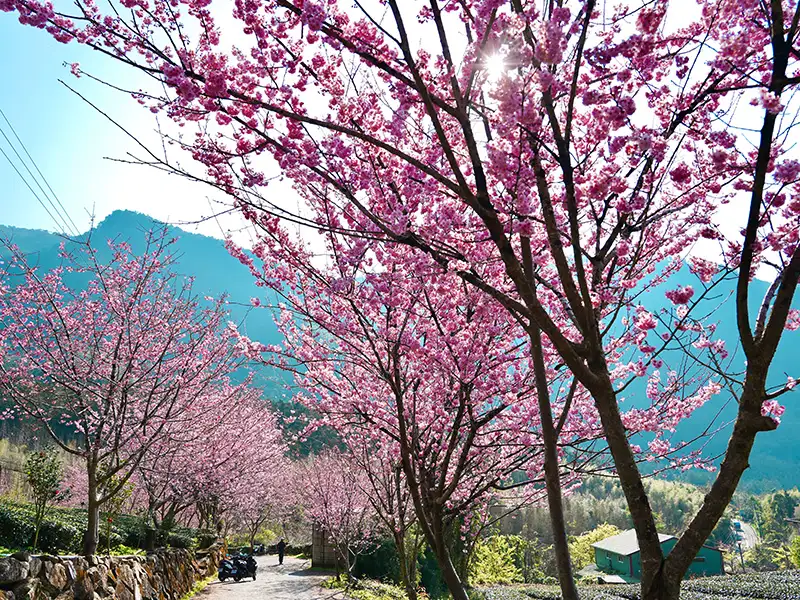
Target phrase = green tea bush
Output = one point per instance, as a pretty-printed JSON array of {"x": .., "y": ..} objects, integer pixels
[
  {"x": 777, "y": 585},
  {"x": 780, "y": 585},
  {"x": 60, "y": 532}
]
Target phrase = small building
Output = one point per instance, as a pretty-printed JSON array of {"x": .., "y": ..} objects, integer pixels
[{"x": 619, "y": 554}]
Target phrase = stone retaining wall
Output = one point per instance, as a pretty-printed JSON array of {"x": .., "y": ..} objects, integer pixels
[{"x": 163, "y": 575}]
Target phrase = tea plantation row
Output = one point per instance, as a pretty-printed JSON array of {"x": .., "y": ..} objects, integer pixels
[
  {"x": 779, "y": 585},
  {"x": 62, "y": 531}
]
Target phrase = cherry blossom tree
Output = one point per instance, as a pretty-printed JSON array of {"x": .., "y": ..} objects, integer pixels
[
  {"x": 231, "y": 449},
  {"x": 416, "y": 365},
  {"x": 393, "y": 361},
  {"x": 562, "y": 158},
  {"x": 388, "y": 493},
  {"x": 333, "y": 493},
  {"x": 107, "y": 369}
]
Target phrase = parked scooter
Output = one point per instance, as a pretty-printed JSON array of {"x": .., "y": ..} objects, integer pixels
[
  {"x": 247, "y": 566},
  {"x": 227, "y": 569},
  {"x": 237, "y": 568}
]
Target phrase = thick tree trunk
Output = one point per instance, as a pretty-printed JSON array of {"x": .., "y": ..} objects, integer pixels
[
  {"x": 449, "y": 574},
  {"x": 431, "y": 525},
  {"x": 551, "y": 472},
  {"x": 92, "y": 535},
  {"x": 630, "y": 478},
  {"x": 662, "y": 589},
  {"x": 749, "y": 423}
]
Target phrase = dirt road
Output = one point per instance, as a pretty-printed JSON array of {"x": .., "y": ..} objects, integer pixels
[{"x": 290, "y": 581}]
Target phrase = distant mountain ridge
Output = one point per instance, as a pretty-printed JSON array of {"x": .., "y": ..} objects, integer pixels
[
  {"x": 775, "y": 461},
  {"x": 205, "y": 259}
]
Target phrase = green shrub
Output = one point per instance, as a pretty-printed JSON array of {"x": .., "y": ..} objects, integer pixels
[
  {"x": 59, "y": 533},
  {"x": 131, "y": 529},
  {"x": 58, "y": 536},
  {"x": 62, "y": 530},
  {"x": 380, "y": 562},
  {"x": 367, "y": 589},
  {"x": 206, "y": 539},
  {"x": 180, "y": 539},
  {"x": 506, "y": 559},
  {"x": 496, "y": 560}
]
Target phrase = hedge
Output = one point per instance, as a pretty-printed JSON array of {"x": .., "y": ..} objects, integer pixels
[
  {"x": 63, "y": 528},
  {"x": 60, "y": 533}
]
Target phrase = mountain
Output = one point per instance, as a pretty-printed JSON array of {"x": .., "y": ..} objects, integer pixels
[
  {"x": 775, "y": 461},
  {"x": 775, "y": 458},
  {"x": 203, "y": 258}
]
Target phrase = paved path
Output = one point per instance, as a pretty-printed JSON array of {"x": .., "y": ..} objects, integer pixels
[
  {"x": 749, "y": 536},
  {"x": 290, "y": 581}
]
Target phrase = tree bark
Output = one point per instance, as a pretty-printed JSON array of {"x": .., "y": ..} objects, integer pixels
[
  {"x": 552, "y": 475},
  {"x": 406, "y": 574},
  {"x": 749, "y": 423},
  {"x": 663, "y": 588},
  {"x": 92, "y": 535},
  {"x": 431, "y": 525},
  {"x": 449, "y": 574},
  {"x": 630, "y": 478}
]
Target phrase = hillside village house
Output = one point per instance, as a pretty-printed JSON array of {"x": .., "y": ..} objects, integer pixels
[{"x": 617, "y": 559}]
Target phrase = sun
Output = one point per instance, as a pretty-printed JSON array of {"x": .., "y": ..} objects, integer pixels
[{"x": 495, "y": 65}]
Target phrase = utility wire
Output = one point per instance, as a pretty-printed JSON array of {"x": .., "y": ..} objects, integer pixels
[
  {"x": 25, "y": 181},
  {"x": 35, "y": 166},
  {"x": 60, "y": 223},
  {"x": 62, "y": 213}
]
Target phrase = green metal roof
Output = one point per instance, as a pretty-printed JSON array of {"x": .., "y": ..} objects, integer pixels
[{"x": 625, "y": 543}]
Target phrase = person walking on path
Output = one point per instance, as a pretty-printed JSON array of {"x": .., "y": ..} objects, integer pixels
[{"x": 281, "y": 550}]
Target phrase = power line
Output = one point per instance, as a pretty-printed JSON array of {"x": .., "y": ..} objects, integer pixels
[
  {"x": 62, "y": 212},
  {"x": 25, "y": 181},
  {"x": 35, "y": 166}
]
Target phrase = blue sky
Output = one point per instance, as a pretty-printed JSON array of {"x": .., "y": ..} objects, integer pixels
[{"x": 68, "y": 139}]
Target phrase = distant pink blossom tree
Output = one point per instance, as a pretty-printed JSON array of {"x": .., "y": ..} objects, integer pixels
[
  {"x": 109, "y": 368},
  {"x": 231, "y": 449},
  {"x": 270, "y": 495},
  {"x": 332, "y": 490}
]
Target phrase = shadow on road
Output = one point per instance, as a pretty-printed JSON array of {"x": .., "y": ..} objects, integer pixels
[{"x": 307, "y": 572}]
